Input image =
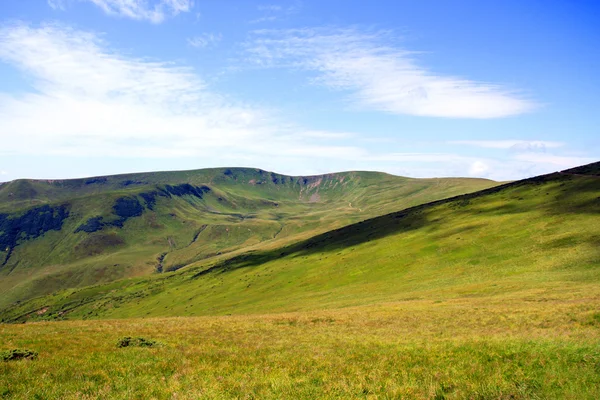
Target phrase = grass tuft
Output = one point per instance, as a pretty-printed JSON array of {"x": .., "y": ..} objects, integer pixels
[
  {"x": 18, "y": 354},
  {"x": 128, "y": 341}
]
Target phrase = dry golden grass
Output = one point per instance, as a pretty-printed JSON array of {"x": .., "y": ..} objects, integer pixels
[{"x": 528, "y": 346}]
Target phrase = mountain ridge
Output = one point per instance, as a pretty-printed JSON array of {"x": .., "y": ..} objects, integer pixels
[
  {"x": 68, "y": 233},
  {"x": 540, "y": 234}
]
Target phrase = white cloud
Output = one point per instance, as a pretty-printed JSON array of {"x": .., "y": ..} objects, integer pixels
[
  {"x": 269, "y": 18},
  {"x": 327, "y": 135},
  {"x": 380, "y": 76},
  {"x": 269, "y": 7},
  {"x": 3, "y": 173},
  {"x": 517, "y": 166},
  {"x": 57, "y": 4},
  {"x": 87, "y": 100},
  {"x": 154, "y": 11},
  {"x": 479, "y": 168},
  {"x": 274, "y": 12},
  {"x": 554, "y": 160},
  {"x": 90, "y": 100},
  {"x": 422, "y": 158},
  {"x": 515, "y": 145},
  {"x": 205, "y": 40}
]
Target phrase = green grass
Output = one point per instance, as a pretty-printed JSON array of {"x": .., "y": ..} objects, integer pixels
[
  {"x": 492, "y": 295},
  {"x": 238, "y": 213},
  {"x": 540, "y": 235},
  {"x": 486, "y": 348}
]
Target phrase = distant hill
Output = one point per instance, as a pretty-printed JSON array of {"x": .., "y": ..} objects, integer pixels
[
  {"x": 59, "y": 234},
  {"x": 538, "y": 237}
]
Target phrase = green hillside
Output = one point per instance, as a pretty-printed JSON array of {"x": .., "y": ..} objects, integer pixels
[
  {"x": 490, "y": 295},
  {"x": 58, "y": 234},
  {"x": 535, "y": 238}
]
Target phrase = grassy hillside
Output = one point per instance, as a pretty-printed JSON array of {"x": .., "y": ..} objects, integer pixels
[
  {"x": 538, "y": 237},
  {"x": 72, "y": 233},
  {"x": 491, "y": 295}
]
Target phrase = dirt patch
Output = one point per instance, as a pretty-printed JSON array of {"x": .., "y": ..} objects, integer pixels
[{"x": 315, "y": 183}]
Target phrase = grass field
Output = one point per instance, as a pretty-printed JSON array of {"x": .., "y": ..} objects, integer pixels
[
  {"x": 501, "y": 347},
  {"x": 491, "y": 295},
  {"x": 240, "y": 208},
  {"x": 540, "y": 234}
]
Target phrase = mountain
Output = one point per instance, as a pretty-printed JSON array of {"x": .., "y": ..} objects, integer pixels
[
  {"x": 536, "y": 238},
  {"x": 60, "y": 234}
]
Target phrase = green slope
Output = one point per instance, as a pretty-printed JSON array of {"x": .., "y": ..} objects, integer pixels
[
  {"x": 535, "y": 239},
  {"x": 62, "y": 234}
]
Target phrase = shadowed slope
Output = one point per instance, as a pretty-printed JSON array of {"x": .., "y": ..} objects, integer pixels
[
  {"x": 541, "y": 234},
  {"x": 71, "y": 233}
]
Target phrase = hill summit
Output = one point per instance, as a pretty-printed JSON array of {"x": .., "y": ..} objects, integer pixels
[
  {"x": 59, "y": 234},
  {"x": 538, "y": 235}
]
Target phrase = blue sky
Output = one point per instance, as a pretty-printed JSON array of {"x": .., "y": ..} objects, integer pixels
[{"x": 502, "y": 90}]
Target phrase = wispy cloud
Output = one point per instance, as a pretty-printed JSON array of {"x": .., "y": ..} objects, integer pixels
[
  {"x": 525, "y": 158},
  {"x": 516, "y": 166},
  {"x": 205, "y": 40},
  {"x": 88, "y": 99},
  {"x": 328, "y": 135},
  {"x": 274, "y": 12},
  {"x": 270, "y": 7},
  {"x": 516, "y": 145},
  {"x": 554, "y": 160},
  {"x": 154, "y": 11},
  {"x": 479, "y": 168},
  {"x": 422, "y": 157},
  {"x": 57, "y": 4},
  {"x": 380, "y": 75}
]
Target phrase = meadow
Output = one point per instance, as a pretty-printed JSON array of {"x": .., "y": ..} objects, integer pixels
[
  {"x": 490, "y": 295},
  {"x": 501, "y": 347}
]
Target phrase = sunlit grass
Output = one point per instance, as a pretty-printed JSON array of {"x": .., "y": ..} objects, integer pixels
[
  {"x": 478, "y": 348},
  {"x": 541, "y": 237},
  {"x": 235, "y": 215},
  {"x": 494, "y": 296}
]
